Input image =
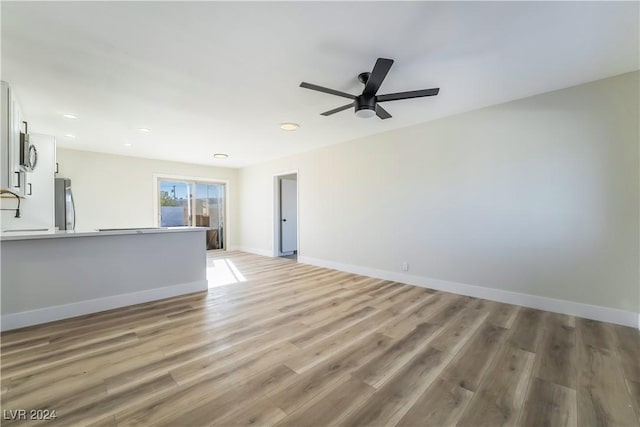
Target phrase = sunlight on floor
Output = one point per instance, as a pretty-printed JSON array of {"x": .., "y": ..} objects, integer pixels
[{"x": 222, "y": 272}]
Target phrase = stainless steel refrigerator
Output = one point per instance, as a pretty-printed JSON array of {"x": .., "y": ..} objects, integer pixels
[{"x": 65, "y": 209}]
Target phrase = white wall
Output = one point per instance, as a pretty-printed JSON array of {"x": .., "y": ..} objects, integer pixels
[
  {"x": 539, "y": 196},
  {"x": 113, "y": 191}
]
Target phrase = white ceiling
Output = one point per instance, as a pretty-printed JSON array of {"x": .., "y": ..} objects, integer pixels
[{"x": 221, "y": 77}]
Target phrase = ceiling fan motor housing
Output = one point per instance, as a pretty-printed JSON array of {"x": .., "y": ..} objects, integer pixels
[{"x": 364, "y": 102}]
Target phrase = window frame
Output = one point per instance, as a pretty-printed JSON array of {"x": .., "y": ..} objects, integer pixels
[{"x": 157, "y": 177}]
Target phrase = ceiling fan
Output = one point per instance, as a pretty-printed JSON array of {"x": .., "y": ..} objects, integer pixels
[{"x": 366, "y": 104}]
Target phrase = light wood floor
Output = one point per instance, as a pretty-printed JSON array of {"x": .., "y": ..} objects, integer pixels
[{"x": 298, "y": 345}]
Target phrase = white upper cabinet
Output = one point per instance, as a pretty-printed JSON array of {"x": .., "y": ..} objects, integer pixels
[
  {"x": 12, "y": 176},
  {"x": 32, "y": 178}
]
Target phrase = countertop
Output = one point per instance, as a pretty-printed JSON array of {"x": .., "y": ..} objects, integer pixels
[{"x": 6, "y": 236}]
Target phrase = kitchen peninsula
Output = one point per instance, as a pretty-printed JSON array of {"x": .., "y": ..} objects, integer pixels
[{"x": 49, "y": 275}]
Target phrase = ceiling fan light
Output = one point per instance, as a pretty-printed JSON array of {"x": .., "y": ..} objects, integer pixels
[{"x": 365, "y": 113}]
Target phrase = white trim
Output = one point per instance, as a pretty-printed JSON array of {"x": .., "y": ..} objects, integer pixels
[
  {"x": 276, "y": 212},
  {"x": 49, "y": 314},
  {"x": 263, "y": 252},
  {"x": 588, "y": 311}
]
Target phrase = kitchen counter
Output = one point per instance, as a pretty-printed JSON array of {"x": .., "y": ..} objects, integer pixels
[
  {"x": 30, "y": 234},
  {"x": 49, "y": 275}
]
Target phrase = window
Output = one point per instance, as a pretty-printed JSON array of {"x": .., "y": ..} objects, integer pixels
[{"x": 193, "y": 203}]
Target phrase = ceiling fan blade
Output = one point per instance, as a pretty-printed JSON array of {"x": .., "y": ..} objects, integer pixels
[
  {"x": 326, "y": 90},
  {"x": 382, "y": 113},
  {"x": 337, "y": 110},
  {"x": 407, "y": 95},
  {"x": 378, "y": 74}
]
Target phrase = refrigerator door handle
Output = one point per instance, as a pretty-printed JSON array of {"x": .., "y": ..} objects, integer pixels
[{"x": 73, "y": 209}]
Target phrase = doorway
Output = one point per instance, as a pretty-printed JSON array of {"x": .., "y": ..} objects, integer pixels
[
  {"x": 191, "y": 202},
  {"x": 286, "y": 216}
]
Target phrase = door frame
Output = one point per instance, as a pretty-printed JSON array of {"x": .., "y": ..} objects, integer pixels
[
  {"x": 275, "y": 237},
  {"x": 156, "y": 200}
]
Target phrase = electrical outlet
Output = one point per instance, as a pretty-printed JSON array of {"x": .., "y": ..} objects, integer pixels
[{"x": 405, "y": 266}]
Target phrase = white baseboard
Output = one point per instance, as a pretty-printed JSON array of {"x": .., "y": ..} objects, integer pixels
[
  {"x": 595, "y": 312},
  {"x": 58, "y": 312},
  {"x": 256, "y": 251}
]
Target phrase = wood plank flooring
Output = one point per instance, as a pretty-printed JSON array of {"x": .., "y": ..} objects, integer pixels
[{"x": 295, "y": 345}]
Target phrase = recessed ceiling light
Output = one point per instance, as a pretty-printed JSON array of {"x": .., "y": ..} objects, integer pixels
[
  {"x": 144, "y": 130},
  {"x": 69, "y": 116},
  {"x": 128, "y": 144},
  {"x": 289, "y": 126},
  {"x": 68, "y": 135},
  {"x": 220, "y": 156}
]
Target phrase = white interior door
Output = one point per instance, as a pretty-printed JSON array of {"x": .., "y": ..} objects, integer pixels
[{"x": 288, "y": 215}]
